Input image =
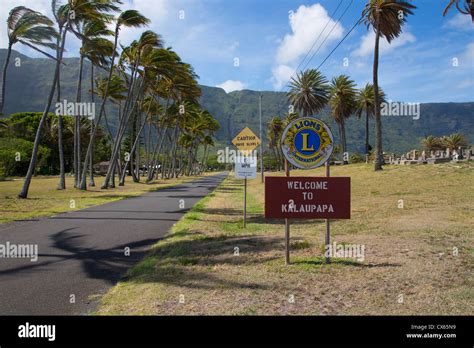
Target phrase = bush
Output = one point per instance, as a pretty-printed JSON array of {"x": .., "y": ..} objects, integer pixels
[
  {"x": 15, "y": 155},
  {"x": 356, "y": 158}
]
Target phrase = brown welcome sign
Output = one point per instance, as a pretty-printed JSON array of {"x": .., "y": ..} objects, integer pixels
[{"x": 308, "y": 197}]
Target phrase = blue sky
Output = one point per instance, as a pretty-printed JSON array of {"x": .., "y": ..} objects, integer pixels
[{"x": 433, "y": 60}]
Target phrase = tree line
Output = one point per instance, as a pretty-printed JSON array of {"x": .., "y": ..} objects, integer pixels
[
  {"x": 310, "y": 92},
  {"x": 156, "y": 94}
]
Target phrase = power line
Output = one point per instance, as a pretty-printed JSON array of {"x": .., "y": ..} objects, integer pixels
[
  {"x": 315, "y": 41},
  {"x": 332, "y": 29},
  {"x": 340, "y": 42},
  {"x": 327, "y": 36}
]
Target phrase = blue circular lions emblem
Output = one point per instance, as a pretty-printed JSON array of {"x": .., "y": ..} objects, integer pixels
[{"x": 307, "y": 143}]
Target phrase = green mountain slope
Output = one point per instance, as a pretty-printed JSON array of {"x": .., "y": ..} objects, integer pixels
[{"x": 28, "y": 85}]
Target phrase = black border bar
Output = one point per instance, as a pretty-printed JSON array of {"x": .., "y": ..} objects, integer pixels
[{"x": 240, "y": 330}]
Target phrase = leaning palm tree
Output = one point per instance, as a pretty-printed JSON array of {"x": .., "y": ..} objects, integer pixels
[
  {"x": 343, "y": 104},
  {"x": 60, "y": 16},
  {"x": 91, "y": 33},
  {"x": 31, "y": 29},
  {"x": 131, "y": 19},
  {"x": 97, "y": 51},
  {"x": 386, "y": 18},
  {"x": 466, "y": 8},
  {"x": 308, "y": 92},
  {"x": 82, "y": 9},
  {"x": 137, "y": 86},
  {"x": 365, "y": 101}
]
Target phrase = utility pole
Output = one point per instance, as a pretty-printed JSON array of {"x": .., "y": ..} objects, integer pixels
[{"x": 261, "y": 140}]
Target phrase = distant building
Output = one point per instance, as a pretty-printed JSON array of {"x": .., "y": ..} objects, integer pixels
[{"x": 101, "y": 168}]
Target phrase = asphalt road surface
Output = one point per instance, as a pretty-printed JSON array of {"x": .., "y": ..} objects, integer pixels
[{"x": 82, "y": 253}]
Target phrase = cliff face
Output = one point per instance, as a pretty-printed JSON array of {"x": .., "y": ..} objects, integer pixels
[{"x": 29, "y": 80}]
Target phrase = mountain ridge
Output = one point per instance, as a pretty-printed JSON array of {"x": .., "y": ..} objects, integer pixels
[{"x": 238, "y": 109}]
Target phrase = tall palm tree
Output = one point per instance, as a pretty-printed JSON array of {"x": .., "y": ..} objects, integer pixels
[
  {"x": 386, "y": 18},
  {"x": 91, "y": 33},
  {"x": 342, "y": 101},
  {"x": 60, "y": 15},
  {"x": 365, "y": 101},
  {"x": 82, "y": 9},
  {"x": 97, "y": 51},
  {"x": 466, "y": 8},
  {"x": 137, "y": 86},
  {"x": 31, "y": 29},
  {"x": 308, "y": 92},
  {"x": 131, "y": 19}
]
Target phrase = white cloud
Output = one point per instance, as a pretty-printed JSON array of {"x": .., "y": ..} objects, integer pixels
[
  {"x": 281, "y": 75},
  {"x": 306, "y": 25},
  {"x": 368, "y": 40},
  {"x": 232, "y": 85},
  {"x": 468, "y": 56},
  {"x": 460, "y": 22}
]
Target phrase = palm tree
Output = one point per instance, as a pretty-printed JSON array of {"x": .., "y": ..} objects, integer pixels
[
  {"x": 386, "y": 17},
  {"x": 454, "y": 141},
  {"x": 31, "y": 29},
  {"x": 467, "y": 7},
  {"x": 91, "y": 33},
  {"x": 431, "y": 143},
  {"x": 365, "y": 101},
  {"x": 82, "y": 9},
  {"x": 131, "y": 19},
  {"x": 60, "y": 16},
  {"x": 343, "y": 103},
  {"x": 137, "y": 86},
  {"x": 308, "y": 92}
]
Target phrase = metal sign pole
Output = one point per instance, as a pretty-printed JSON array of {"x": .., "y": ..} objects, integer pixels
[
  {"x": 245, "y": 202},
  {"x": 261, "y": 141},
  {"x": 328, "y": 227},
  {"x": 287, "y": 223}
]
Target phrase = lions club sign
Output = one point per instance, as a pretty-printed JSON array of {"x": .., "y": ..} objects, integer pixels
[{"x": 307, "y": 143}]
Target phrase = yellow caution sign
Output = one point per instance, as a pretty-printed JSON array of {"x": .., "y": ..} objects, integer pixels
[{"x": 246, "y": 140}]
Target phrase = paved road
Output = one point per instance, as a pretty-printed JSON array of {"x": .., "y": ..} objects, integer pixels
[{"x": 81, "y": 253}]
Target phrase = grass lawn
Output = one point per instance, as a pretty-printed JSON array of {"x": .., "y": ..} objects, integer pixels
[
  {"x": 210, "y": 265},
  {"x": 45, "y": 200}
]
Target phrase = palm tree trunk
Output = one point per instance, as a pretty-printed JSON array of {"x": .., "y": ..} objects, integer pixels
[
  {"x": 161, "y": 134},
  {"x": 77, "y": 127},
  {"x": 367, "y": 132},
  {"x": 378, "y": 121},
  {"x": 62, "y": 170},
  {"x": 341, "y": 139},
  {"x": 91, "y": 162},
  {"x": 119, "y": 136},
  {"x": 121, "y": 131},
  {"x": 344, "y": 142},
  {"x": 4, "y": 77},
  {"x": 134, "y": 146},
  {"x": 31, "y": 168},
  {"x": 101, "y": 112}
]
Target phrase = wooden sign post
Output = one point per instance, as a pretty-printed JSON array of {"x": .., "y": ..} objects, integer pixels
[
  {"x": 287, "y": 223},
  {"x": 307, "y": 143},
  {"x": 328, "y": 226}
]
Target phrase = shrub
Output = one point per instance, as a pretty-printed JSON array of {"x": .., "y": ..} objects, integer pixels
[
  {"x": 15, "y": 155},
  {"x": 356, "y": 158}
]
